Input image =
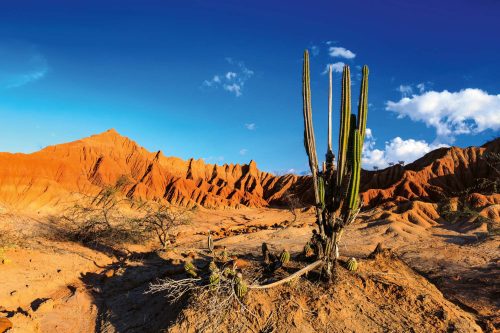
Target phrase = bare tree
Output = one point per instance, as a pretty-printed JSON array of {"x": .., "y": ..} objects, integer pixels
[{"x": 163, "y": 219}]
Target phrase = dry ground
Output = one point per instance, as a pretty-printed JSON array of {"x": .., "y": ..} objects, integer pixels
[{"x": 445, "y": 279}]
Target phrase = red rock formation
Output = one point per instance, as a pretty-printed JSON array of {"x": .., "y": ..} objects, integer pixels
[{"x": 47, "y": 178}]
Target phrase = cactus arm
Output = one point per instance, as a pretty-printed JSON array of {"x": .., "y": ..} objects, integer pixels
[
  {"x": 356, "y": 171},
  {"x": 345, "y": 117},
  {"x": 330, "y": 111},
  {"x": 363, "y": 104},
  {"x": 309, "y": 141}
]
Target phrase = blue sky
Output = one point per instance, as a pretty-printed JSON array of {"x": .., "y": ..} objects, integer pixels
[{"x": 221, "y": 80}]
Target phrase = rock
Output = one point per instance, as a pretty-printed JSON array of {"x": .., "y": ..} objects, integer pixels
[{"x": 5, "y": 325}]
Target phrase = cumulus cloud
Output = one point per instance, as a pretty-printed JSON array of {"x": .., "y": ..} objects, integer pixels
[
  {"x": 233, "y": 80},
  {"x": 250, "y": 126},
  {"x": 336, "y": 67},
  {"x": 21, "y": 64},
  {"x": 396, "y": 150},
  {"x": 341, "y": 52},
  {"x": 467, "y": 111}
]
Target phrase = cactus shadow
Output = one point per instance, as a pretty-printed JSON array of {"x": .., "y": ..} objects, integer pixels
[{"x": 119, "y": 293}]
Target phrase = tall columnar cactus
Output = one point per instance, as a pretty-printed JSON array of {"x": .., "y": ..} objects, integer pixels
[{"x": 336, "y": 190}]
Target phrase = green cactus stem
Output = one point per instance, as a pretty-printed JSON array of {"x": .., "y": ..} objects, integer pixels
[
  {"x": 241, "y": 288},
  {"x": 190, "y": 269},
  {"x": 284, "y": 257}
]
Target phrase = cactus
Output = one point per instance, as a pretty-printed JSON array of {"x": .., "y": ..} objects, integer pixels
[
  {"x": 284, "y": 257},
  {"x": 229, "y": 272},
  {"x": 265, "y": 253},
  {"x": 210, "y": 242},
  {"x": 308, "y": 250},
  {"x": 351, "y": 264},
  {"x": 240, "y": 286},
  {"x": 214, "y": 278},
  {"x": 224, "y": 255},
  {"x": 190, "y": 269},
  {"x": 212, "y": 267},
  {"x": 336, "y": 194}
]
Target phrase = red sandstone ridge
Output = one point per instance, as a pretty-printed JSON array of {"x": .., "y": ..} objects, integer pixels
[
  {"x": 444, "y": 172},
  {"x": 47, "y": 178}
]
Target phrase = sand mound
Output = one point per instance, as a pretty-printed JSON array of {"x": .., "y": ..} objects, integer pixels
[{"x": 384, "y": 295}]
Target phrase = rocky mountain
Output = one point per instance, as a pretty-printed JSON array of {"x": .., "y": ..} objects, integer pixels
[{"x": 52, "y": 176}]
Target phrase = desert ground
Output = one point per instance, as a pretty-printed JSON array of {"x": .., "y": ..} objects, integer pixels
[
  {"x": 436, "y": 278},
  {"x": 79, "y": 252}
]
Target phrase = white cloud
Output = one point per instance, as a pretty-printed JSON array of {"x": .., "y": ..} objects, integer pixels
[
  {"x": 395, "y": 150},
  {"x": 234, "y": 88},
  {"x": 21, "y": 64},
  {"x": 341, "y": 52},
  {"x": 250, "y": 126},
  {"x": 468, "y": 111},
  {"x": 421, "y": 87},
  {"x": 243, "y": 151},
  {"x": 230, "y": 75},
  {"x": 336, "y": 67},
  {"x": 405, "y": 90},
  {"x": 233, "y": 80}
]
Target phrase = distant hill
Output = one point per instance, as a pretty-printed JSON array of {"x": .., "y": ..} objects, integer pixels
[{"x": 47, "y": 178}]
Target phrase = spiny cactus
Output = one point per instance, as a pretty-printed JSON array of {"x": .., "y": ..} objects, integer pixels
[
  {"x": 336, "y": 192},
  {"x": 351, "y": 264},
  {"x": 241, "y": 288},
  {"x": 285, "y": 257},
  {"x": 190, "y": 269},
  {"x": 210, "y": 242}
]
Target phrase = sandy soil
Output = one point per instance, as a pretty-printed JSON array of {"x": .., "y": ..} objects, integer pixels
[{"x": 49, "y": 286}]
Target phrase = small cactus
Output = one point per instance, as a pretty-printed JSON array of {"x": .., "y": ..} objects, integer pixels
[
  {"x": 352, "y": 264},
  {"x": 265, "y": 253},
  {"x": 210, "y": 242},
  {"x": 212, "y": 267},
  {"x": 228, "y": 272},
  {"x": 214, "y": 278},
  {"x": 308, "y": 250},
  {"x": 240, "y": 286},
  {"x": 224, "y": 255},
  {"x": 190, "y": 269},
  {"x": 285, "y": 257}
]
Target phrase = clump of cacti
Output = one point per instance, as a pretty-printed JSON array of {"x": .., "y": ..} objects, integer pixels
[
  {"x": 190, "y": 269},
  {"x": 336, "y": 188},
  {"x": 284, "y": 257},
  {"x": 240, "y": 286},
  {"x": 351, "y": 264},
  {"x": 210, "y": 242}
]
